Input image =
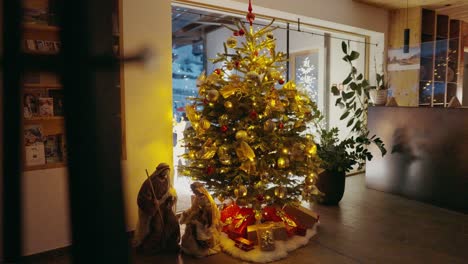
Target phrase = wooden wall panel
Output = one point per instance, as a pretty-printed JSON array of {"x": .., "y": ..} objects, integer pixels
[{"x": 398, "y": 23}]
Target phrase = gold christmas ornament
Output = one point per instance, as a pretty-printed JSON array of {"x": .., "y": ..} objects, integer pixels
[
  {"x": 231, "y": 42},
  {"x": 242, "y": 191},
  {"x": 280, "y": 192},
  {"x": 191, "y": 154},
  {"x": 269, "y": 126},
  {"x": 283, "y": 162},
  {"x": 312, "y": 150},
  {"x": 205, "y": 124},
  {"x": 228, "y": 104},
  {"x": 309, "y": 180},
  {"x": 259, "y": 185},
  {"x": 242, "y": 135},
  {"x": 212, "y": 95}
]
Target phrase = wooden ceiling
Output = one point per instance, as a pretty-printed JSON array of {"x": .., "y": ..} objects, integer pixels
[{"x": 455, "y": 9}]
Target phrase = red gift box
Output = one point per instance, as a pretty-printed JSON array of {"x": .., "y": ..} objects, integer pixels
[
  {"x": 227, "y": 215},
  {"x": 229, "y": 211},
  {"x": 301, "y": 231},
  {"x": 238, "y": 227},
  {"x": 277, "y": 215}
]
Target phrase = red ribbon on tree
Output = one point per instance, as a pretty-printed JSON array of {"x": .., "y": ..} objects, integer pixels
[{"x": 250, "y": 16}]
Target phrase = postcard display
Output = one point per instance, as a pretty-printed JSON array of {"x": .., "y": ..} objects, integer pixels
[{"x": 42, "y": 93}]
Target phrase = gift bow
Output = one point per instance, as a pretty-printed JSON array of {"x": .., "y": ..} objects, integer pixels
[
  {"x": 241, "y": 219},
  {"x": 285, "y": 218}
]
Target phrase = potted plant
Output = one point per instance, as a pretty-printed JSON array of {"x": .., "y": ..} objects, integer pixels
[
  {"x": 379, "y": 94},
  {"x": 336, "y": 161},
  {"x": 339, "y": 157}
]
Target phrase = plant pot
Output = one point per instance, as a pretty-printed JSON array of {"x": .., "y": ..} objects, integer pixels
[
  {"x": 379, "y": 97},
  {"x": 332, "y": 184}
]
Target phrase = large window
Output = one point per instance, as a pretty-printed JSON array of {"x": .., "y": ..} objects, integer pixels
[{"x": 315, "y": 64}]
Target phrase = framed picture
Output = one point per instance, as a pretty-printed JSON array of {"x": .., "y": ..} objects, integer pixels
[
  {"x": 46, "y": 106},
  {"x": 31, "y": 45},
  {"x": 57, "y": 96},
  {"x": 31, "y": 102},
  {"x": 33, "y": 135},
  {"x": 52, "y": 148},
  {"x": 41, "y": 46},
  {"x": 35, "y": 155},
  {"x": 50, "y": 46}
]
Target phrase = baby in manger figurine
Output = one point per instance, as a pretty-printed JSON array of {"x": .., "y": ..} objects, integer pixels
[
  {"x": 158, "y": 229},
  {"x": 201, "y": 237}
]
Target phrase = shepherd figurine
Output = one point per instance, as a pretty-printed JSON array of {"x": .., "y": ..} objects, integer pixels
[{"x": 157, "y": 229}]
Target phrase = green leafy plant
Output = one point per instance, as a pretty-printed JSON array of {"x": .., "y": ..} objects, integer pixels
[
  {"x": 354, "y": 100},
  {"x": 334, "y": 153}
]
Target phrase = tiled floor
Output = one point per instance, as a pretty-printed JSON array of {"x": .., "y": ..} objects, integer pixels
[{"x": 367, "y": 227}]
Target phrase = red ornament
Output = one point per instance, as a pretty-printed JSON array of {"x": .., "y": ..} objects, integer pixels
[
  {"x": 260, "y": 198},
  {"x": 236, "y": 33},
  {"x": 253, "y": 114},
  {"x": 205, "y": 101},
  {"x": 256, "y": 53},
  {"x": 250, "y": 16},
  {"x": 224, "y": 128},
  {"x": 281, "y": 81},
  {"x": 237, "y": 64},
  {"x": 281, "y": 125},
  {"x": 210, "y": 170},
  {"x": 241, "y": 32},
  {"x": 217, "y": 71}
]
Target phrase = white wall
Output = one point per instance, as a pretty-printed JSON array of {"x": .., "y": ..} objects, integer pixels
[
  {"x": 148, "y": 96},
  {"x": 346, "y": 12},
  {"x": 46, "y": 220}
]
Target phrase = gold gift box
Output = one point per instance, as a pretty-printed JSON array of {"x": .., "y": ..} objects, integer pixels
[
  {"x": 305, "y": 217},
  {"x": 279, "y": 231}
]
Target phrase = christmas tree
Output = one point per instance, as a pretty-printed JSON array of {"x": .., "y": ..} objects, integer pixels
[{"x": 247, "y": 138}]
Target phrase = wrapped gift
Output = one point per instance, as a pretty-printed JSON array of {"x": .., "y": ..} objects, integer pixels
[
  {"x": 278, "y": 215},
  {"x": 244, "y": 244},
  {"x": 240, "y": 222},
  {"x": 266, "y": 238},
  {"x": 301, "y": 231},
  {"x": 227, "y": 215},
  {"x": 279, "y": 231},
  {"x": 303, "y": 216}
]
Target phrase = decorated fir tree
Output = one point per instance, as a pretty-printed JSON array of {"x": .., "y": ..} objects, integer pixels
[{"x": 247, "y": 138}]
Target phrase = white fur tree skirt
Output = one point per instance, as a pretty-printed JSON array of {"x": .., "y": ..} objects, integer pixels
[{"x": 256, "y": 255}]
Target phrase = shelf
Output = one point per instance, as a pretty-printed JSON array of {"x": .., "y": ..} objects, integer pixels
[
  {"x": 30, "y": 52},
  {"x": 42, "y": 85},
  {"x": 45, "y": 166},
  {"x": 40, "y": 27},
  {"x": 44, "y": 118}
]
